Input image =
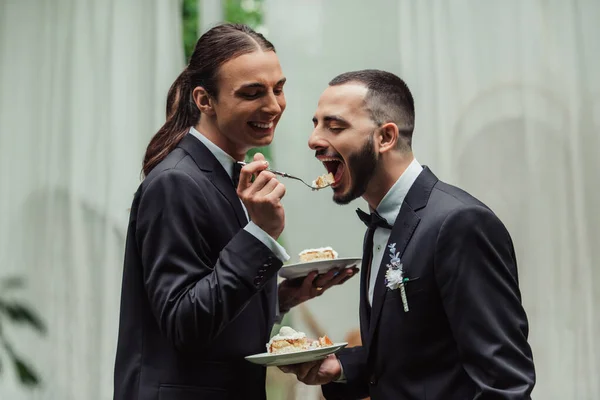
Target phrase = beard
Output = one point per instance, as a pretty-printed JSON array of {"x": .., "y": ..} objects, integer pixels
[{"x": 361, "y": 165}]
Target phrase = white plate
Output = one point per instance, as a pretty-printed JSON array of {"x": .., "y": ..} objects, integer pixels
[
  {"x": 321, "y": 266},
  {"x": 269, "y": 360}
]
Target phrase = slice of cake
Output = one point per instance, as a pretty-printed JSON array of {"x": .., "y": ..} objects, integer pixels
[
  {"x": 324, "y": 180},
  {"x": 323, "y": 253},
  {"x": 289, "y": 340}
]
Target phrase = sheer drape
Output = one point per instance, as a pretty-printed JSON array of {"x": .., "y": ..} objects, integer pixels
[
  {"x": 82, "y": 89},
  {"x": 508, "y": 107}
]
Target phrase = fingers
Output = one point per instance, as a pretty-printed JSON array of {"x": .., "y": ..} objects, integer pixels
[
  {"x": 309, "y": 287},
  {"x": 320, "y": 283},
  {"x": 260, "y": 182},
  {"x": 300, "y": 370},
  {"x": 336, "y": 277},
  {"x": 270, "y": 184},
  {"x": 343, "y": 276},
  {"x": 278, "y": 192},
  {"x": 286, "y": 369},
  {"x": 328, "y": 279},
  {"x": 304, "y": 371},
  {"x": 312, "y": 375},
  {"x": 349, "y": 274},
  {"x": 246, "y": 173},
  {"x": 315, "y": 372}
]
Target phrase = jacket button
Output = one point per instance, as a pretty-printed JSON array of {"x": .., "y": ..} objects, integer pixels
[
  {"x": 257, "y": 281},
  {"x": 373, "y": 380}
]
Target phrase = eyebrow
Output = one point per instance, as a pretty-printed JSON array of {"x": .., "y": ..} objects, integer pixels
[
  {"x": 331, "y": 118},
  {"x": 260, "y": 85}
]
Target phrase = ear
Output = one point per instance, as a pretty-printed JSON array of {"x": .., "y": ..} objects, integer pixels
[
  {"x": 388, "y": 137},
  {"x": 203, "y": 100}
]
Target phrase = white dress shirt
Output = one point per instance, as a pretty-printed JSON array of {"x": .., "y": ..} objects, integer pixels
[
  {"x": 388, "y": 208},
  {"x": 227, "y": 162}
]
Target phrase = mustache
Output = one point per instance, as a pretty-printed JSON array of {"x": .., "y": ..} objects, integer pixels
[{"x": 324, "y": 153}]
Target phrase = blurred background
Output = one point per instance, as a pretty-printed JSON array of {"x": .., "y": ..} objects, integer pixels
[{"x": 507, "y": 107}]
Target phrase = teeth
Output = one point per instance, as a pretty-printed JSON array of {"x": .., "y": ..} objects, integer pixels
[
  {"x": 262, "y": 126},
  {"x": 329, "y": 159}
]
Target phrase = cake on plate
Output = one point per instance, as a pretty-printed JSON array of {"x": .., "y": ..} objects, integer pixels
[
  {"x": 289, "y": 340},
  {"x": 323, "y": 253}
]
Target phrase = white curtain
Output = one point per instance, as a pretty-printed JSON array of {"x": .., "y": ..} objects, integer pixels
[
  {"x": 82, "y": 89},
  {"x": 508, "y": 108}
]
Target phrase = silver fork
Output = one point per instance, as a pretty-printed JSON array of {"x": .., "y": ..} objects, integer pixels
[{"x": 286, "y": 175}]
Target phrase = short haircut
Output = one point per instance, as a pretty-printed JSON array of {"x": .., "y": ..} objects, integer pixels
[{"x": 388, "y": 99}]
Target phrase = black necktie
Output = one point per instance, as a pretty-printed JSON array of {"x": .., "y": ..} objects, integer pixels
[
  {"x": 372, "y": 221},
  {"x": 235, "y": 176}
]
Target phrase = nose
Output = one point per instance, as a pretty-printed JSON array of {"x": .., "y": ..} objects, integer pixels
[
  {"x": 315, "y": 141},
  {"x": 272, "y": 104}
]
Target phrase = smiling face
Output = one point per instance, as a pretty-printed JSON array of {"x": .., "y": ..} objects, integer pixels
[
  {"x": 343, "y": 139},
  {"x": 249, "y": 103}
]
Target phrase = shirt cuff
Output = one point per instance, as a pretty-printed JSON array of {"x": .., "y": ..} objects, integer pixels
[
  {"x": 267, "y": 240},
  {"x": 278, "y": 314},
  {"x": 342, "y": 378}
]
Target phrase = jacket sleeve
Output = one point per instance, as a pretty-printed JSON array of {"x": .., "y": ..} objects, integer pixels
[
  {"x": 356, "y": 386},
  {"x": 192, "y": 299},
  {"x": 476, "y": 271}
]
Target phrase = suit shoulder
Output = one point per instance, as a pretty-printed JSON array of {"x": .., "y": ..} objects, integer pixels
[
  {"x": 177, "y": 164},
  {"x": 455, "y": 206},
  {"x": 454, "y": 198},
  {"x": 446, "y": 200}
]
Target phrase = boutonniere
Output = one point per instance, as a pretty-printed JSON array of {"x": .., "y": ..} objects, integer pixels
[{"x": 394, "y": 276}]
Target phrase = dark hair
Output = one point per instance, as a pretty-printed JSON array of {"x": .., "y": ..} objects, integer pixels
[
  {"x": 388, "y": 99},
  {"x": 215, "y": 47}
]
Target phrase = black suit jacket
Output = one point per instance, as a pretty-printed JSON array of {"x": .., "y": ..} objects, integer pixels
[
  {"x": 198, "y": 291},
  {"x": 465, "y": 334}
]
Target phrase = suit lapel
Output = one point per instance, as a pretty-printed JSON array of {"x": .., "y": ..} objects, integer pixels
[
  {"x": 221, "y": 180},
  {"x": 365, "y": 309},
  {"x": 404, "y": 227},
  {"x": 208, "y": 163}
]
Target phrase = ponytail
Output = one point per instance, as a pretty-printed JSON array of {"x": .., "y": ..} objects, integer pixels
[{"x": 181, "y": 113}]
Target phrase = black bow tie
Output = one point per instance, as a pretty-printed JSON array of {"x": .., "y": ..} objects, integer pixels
[
  {"x": 235, "y": 176},
  {"x": 373, "y": 220}
]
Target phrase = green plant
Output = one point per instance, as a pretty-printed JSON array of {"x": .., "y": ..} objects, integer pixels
[
  {"x": 13, "y": 311},
  {"x": 189, "y": 15}
]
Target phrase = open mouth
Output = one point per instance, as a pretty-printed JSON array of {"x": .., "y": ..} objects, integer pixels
[{"x": 334, "y": 166}]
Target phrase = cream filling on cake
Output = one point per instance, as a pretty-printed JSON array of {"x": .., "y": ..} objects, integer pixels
[
  {"x": 319, "y": 250},
  {"x": 289, "y": 340},
  {"x": 286, "y": 341}
]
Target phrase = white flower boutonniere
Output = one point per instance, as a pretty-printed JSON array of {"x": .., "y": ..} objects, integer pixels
[{"x": 394, "y": 276}]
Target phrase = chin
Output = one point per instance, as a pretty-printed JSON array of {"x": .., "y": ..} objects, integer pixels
[
  {"x": 260, "y": 139},
  {"x": 343, "y": 198},
  {"x": 262, "y": 142}
]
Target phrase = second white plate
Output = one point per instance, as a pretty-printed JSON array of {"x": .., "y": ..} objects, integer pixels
[
  {"x": 268, "y": 359},
  {"x": 300, "y": 270}
]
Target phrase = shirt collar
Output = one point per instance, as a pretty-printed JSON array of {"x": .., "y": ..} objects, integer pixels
[
  {"x": 224, "y": 159},
  {"x": 390, "y": 205}
]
